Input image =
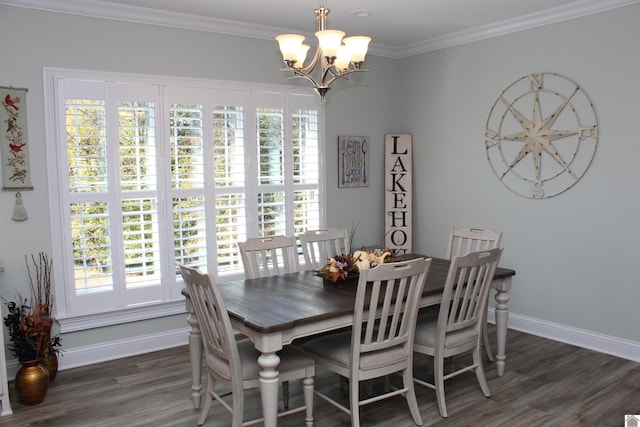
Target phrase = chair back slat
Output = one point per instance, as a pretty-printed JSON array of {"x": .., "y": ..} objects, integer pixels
[
  {"x": 320, "y": 245},
  {"x": 466, "y": 290},
  {"x": 386, "y": 306},
  {"x": 463, "y": 240},
  {"x": 269, "y": 256}
]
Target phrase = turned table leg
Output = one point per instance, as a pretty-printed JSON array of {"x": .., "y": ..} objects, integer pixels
[
  {"x": 502, "y": 316},
  {"x": 269, "y": 380}
]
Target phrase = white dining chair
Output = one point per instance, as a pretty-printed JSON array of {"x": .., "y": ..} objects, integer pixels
[
  {"x": 471, "y": 239},
  {"x": 380, "y": 342},
  {"x": 269, "y": 256},
  {"x": 320, "y": 245},
  {"x": 456, "y": 327},
  {"x": 234, "y": 364}
]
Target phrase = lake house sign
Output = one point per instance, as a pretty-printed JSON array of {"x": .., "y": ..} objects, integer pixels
[{"x": 398, "y": 190}]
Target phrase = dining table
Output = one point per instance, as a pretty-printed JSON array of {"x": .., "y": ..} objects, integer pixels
[{"x": 274, "y": 311}]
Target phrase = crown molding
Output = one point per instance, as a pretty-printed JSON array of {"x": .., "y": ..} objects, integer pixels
[
  {"x": 143, "y": 15},
  {"x": 524, "y": 22},
  {"x": 99, "y": 9}
]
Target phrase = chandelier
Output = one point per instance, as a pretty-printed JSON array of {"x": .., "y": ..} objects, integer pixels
[{"x": 336, "y": 56}]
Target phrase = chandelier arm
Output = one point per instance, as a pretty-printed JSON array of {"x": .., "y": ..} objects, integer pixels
[
  {"x": 295, "y": 72},
  {"x": 333, "y": 71},
  {"x": 316, "y": 57},
  {"x": 342, "y": 74}
]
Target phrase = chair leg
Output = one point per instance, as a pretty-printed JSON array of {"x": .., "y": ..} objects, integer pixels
[
  {"x": 438, "y": 382},
  {"x": 206, "y": 405},
  {"x": 407, "y": 380},
  {"x": 307, "y": 389},
  {"x": 285, "y": 394},
  {"x": 387, "y": 383},
  {"x": 354, "y": 402},
  {"x": 205, "y": 409},
  {"x": 485, "y": 338},
  {"x": 343, "y": 381},
  {"x": 482, "y": 380},
  {"x": 238, "y": 409}
]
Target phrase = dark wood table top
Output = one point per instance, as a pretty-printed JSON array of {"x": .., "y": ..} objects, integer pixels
[{"x": 277, "y": 303}]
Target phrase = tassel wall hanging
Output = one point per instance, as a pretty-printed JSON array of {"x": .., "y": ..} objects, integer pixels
[{"x": 19, "y": 212}]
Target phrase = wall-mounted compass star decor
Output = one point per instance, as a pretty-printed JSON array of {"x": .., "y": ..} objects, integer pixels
[{"x": 541, "y": 135}]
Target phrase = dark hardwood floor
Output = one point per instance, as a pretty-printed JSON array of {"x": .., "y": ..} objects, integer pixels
[{"x": 546, "y": 383}]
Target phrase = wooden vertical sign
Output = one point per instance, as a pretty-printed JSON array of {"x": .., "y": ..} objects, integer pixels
[{"x": 398, "y": 189}]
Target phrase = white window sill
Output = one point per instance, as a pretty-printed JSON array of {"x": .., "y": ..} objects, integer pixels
[{"x": 125, "y": 315}]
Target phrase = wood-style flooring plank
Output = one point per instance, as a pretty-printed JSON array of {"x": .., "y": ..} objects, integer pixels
[{"x": 546, "y": 383}]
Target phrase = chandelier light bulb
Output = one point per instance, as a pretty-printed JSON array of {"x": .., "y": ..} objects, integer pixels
[
  {"x": 290, "y": 45},
  {"x": 358, "y": 46},
  {"x": 302, "y": 55},
  {"x": 343, "y": 58},
  {"x": 330, "y": 41}
]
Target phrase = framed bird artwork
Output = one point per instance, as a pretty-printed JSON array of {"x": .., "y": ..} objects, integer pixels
[{"x": 16, "y": 173}]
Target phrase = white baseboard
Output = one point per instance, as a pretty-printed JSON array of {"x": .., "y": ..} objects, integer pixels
[
  {"x": 614, "y": 346},
  {"x": 155, "y": 342},
  {"x": 112, "y": 350}
]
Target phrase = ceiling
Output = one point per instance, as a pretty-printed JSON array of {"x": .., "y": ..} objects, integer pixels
[{"x": 399, "y": 28}]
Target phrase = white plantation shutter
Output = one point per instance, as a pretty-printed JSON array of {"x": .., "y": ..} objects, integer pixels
[
  {"x": 229, "y": 177},
  {"x": 153, "y": 172},
  {"x": 188, "y": 177},
  {"x": 306, "y": 168},
  {"x": 108, "y": 186}
]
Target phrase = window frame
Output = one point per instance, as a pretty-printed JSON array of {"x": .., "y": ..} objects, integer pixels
[{"x": 172, "y": 301}]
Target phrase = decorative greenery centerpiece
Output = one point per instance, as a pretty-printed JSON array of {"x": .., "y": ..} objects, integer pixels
[{"x": 346, "y": 266}]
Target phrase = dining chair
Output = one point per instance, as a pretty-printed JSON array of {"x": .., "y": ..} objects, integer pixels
[
  {"x": 269, "y": 256},
  {"x": 472, "y": 239},
  {"x": 234, "y": 363},
  {"x": 380, "y": 342},
  {"x": 456, "y": 327},
  {"x": 320, "y": 245}
]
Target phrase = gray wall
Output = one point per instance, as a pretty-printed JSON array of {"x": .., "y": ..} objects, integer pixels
[{"x": 572, "y": 253}]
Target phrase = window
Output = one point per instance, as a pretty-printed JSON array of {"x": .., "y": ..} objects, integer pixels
[{"x": 145, "y": 172}]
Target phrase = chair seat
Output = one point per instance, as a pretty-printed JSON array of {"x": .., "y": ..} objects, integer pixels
[
  {"x": 337, "y": 349},
  {"x": 291, "y": 359},
  {"x": 427, "y": 326}
]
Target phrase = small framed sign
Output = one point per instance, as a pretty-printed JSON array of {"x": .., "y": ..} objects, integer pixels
[{"x": 353, "y": 161}]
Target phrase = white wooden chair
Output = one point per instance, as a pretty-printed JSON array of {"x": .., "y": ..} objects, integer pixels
[
  {"x": 320, "y": 245},
  {"x": 235, "y": 363},
  {"x": 471, "y": 239},
  {"x": 381, "y": 340},
  {"x": 456, "y": 327},
  {"x": 269, "y": 256}
]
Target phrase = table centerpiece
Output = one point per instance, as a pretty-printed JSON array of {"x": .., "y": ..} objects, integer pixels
[{"x": 345, "y": 268}]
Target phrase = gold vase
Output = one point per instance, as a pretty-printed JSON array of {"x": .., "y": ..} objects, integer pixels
[
  {"x": 32, "y": 382},
  {"x": 51, "y": 363}
]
